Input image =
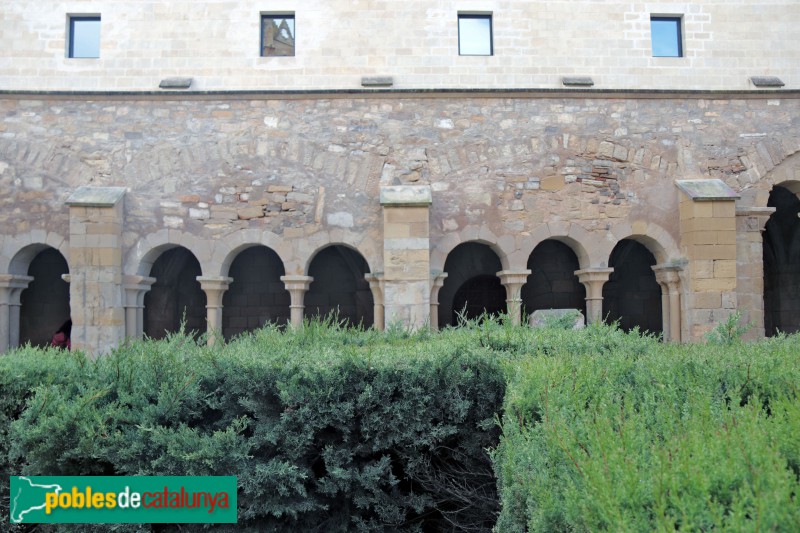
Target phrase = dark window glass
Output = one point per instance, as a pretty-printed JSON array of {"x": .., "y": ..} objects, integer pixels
[
  {"x": 475, "y": 35},
  {"x": 84, "y": 37},
  {"x": 277, "y": 35},
  {"x": 666, "y": 36}
]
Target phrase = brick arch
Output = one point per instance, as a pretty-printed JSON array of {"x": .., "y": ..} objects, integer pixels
[
  {"x": 503, "y": 247},
  {"x": 654, "y": 237},
  {"x": 18, "y": 252},
  {"x": 142, "y": 256},
  {"x": 764, "y": 175},
  {"x": 573, "y": 235},
  {"x": 226, "y": 251}
]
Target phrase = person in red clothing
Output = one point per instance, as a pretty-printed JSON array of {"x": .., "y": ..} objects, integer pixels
[{"x": 61, "y": 337}]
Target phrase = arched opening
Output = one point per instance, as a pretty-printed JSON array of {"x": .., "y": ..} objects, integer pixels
[
  {"x": 257, "y": 295},
  {"x": 45, "y": 303},
  {"x": 176, "y": 295},
  {"x": 471, "y": 284},
  {"x": 782, "y": 263},
  {"x": 552, "y": 283},
  {"x": 632, "y": 294},
  {"x": 339, "y": 287}
]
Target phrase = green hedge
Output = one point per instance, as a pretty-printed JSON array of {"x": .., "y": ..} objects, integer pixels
[
  {"x": 326, "y": 429},
  {"x": 688, "y": 438}
]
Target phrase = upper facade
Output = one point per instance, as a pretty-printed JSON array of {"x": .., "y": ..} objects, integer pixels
[{"x": 269, "y": 45}]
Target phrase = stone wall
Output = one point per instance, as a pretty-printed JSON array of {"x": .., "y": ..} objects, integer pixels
[
  {"x": 217, "y": 174},
  {"x": 338, "y": 42}
]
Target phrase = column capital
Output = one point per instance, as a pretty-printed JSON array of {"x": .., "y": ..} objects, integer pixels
[
  {"x": 297, "y": 282},
  {"x": 751, "y": 219},
  {"x": 668, "y": 274},
  {"x": 14, "y": 281},
  {"x": 508, "y": 277},
  {"x": 297, "y": 287},
  {"x": 437, "y": 280},
  {"x": 214, "y": 287},
  {"x": 592, "y": 275},
  {"x": 135, "y": 287}
]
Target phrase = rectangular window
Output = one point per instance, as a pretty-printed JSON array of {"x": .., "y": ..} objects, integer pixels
[
  {"x": 277, "y": 35},
  {"x": 84, "y": 36},
  {"x": 665, "y": 33},
  {"x": 475, "y": 35}
]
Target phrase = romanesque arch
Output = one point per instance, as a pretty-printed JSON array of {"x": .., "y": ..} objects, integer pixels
[
  {"x": 44, "y": 304},
  {"x": 256, "y": 295},
  {"x": 472, "y": 286},
  {"x": 552, "y": 283},
  {"x": 339, "y": 287},
  {"x": 781, "y": 256},
  {"x": 632, "y": 295},
  {"x": 175, "y": 295}
]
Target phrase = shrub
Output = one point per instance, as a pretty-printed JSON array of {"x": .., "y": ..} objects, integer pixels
[
  {"x": 677, "y": 438},
  {"x": 326, "y": 428}
]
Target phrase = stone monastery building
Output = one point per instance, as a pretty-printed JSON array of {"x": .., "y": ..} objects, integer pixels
[{"x": 241, "y": 162}]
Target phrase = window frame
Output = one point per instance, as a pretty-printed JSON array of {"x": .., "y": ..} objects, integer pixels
[
  {"x": 478, "y": 16},
  {"x": 71, "y": 20},
  {"x": 678, "y": 20},
  {"x": 265, "y": 15}
]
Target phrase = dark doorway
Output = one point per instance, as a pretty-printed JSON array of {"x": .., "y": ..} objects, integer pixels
[
  {"x": 339, "y": 287},
  {"x": 632, "y": 294},
  {"x": 176, "y": 295},
  {"x": 45, "y": 303},
  {"x": 552, "y": 283},
  {"x": 469, "y": 287},
  {"x": 257, "y": 295},
  {"x": 782, "y": 264}
]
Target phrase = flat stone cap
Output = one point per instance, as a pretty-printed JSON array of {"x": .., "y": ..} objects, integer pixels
[
  {"x": 767, "y": 81},
  {"x": 96, "y": 196},
  {"x": 406, "y": 195},
  {"x": 707, "y": 190},
  {"x": 176, "y": 83},
  {"x": 577, "y": 81},
  {"x": 377, "y": 81}
]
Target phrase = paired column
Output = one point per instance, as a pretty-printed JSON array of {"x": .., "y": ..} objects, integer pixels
[
  {"x": 437, "y": 281},
  {"x": 215, "y": 288},
  {"x": 11, "y": 287},
  {"x": 376, "y": 286},
  {"x": 594, "y": 279},
  {"x": 513, "y": 282},
  {"x": 297, "y": 287},
  {"x": 135, "y": 288},
  {"x": 668, "y": 277},
  {"x": 750, "y": 225}
]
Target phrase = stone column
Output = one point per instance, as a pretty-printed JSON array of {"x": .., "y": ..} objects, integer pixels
[
  {"x": 376, "y": 287},
  {"x": 513, "y": 282},
  {"x": 297, "y": 287},
  {"x": 437, "y": 280},
  {"x": 406, "y": 254},
  {"x": 594, "y": 279},
  {"x": 11, "y": 287},
  {"x": 215, "y": 288},
  {"x": 668, "y": 277},
  {"x": 135, "y": 288},
  {"x": 750, "y": 225},
  {"x": 708, "y": 238},
  {"x": 96, "y": 217}
]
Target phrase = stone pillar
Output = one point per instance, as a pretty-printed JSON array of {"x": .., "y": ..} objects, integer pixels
[
  {"x": 95, "y": 262},
  {"x": 594, "y": 279},
  {"x": 406, "y": 254},
  {"x": 437, "y": 280},
  {"x": 376, "y": 286},
  {"x": 135, "y": 288},
  {"x": 297, "y": 287},
  {"x": 668, "y": 277},
  {"x": 513, "y": 282},
  {"x": 708, "y": 238},
  {"x": 750, "y": 225},
  {"x": 215, "y": 288},
  {"x": 11, "y": 288}
]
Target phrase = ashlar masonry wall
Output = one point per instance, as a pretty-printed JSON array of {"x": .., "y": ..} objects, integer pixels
[{"x": 217, "y": 174}]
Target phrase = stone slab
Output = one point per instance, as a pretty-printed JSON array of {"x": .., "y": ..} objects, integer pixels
[
  {"x": 406, "y": 195},
  {"x": 96, "y": 196},
  {"x": 707, "y": 190},
  {"x": 175, "y": 83}
]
